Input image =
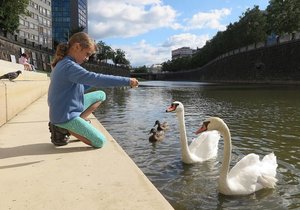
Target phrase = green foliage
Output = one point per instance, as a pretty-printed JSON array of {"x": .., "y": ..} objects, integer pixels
[
  {"x": 9, "y": 14},
  {"x": 119, "y": 58},
  {"x": 105, "y": 52},
  {"x": 253, "y": 26},
  {"x": 283, "y": 16},
  {"x": 141, "y": 69}
]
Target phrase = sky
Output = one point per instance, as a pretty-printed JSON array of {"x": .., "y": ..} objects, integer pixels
[{"x": 148, "y": 30}]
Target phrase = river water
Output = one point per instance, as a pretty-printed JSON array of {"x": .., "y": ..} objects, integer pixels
[{"x": 262, "y": 119}]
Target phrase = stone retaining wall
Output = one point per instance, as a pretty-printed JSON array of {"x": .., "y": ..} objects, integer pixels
[
  {"x": 278, "y": 64},
  {"x": 17, "y": 95}
]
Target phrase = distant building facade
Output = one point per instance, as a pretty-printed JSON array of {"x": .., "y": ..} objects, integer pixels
[
  {"x": 182, "y": 52},
  {"x": 68, "y": 16},
  {"x": 155, "y": 68},
  {"x": 37, "y": 27}
]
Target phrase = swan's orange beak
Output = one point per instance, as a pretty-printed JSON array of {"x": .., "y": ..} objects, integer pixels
[
  {"x": 171, "y": 108},
  {"x": 201, "y": 129}
]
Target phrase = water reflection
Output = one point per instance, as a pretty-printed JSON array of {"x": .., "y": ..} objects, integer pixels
[{"x": 261, "y": 119}]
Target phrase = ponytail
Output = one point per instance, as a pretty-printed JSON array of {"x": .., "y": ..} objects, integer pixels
[{"x": 61, "y": 52}]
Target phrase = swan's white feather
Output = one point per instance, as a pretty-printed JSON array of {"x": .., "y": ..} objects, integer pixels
[
  {"x": 248, "y": 175},
  {"x": 205, "y": 146}
]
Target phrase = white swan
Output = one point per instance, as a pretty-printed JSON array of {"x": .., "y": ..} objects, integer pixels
[
  {"x": 203, "y": 148},
  {"x": 249, "y": 174}
]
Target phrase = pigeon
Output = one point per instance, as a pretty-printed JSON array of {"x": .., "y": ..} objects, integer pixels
[{"x": 11, "y": 75}]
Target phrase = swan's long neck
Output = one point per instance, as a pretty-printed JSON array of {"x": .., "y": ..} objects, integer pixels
[
  {"x": 183, "y": 138},
  {"x": 226, "y": 156}
]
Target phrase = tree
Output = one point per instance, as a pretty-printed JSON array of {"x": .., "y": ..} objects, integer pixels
[
  {"x": 105, "y": 52},
  {"x": 141, "y": 69},
  {"x": 253, "y": 24},
  {"x": 10, "y": 10},
  {"x": 119, "y": 58},
  {"x": 283, "y": 16}
]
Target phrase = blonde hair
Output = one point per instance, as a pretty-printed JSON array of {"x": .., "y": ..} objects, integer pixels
[{"x": 62, "y": 49}]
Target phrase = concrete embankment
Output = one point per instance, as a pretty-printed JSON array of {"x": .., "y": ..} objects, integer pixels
[
  {"x": 36, "y": 175},
  {"x": 276, "y": 64}
]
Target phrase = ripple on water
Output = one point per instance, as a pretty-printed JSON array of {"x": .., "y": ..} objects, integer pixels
[{"x": 270, "y": 123}]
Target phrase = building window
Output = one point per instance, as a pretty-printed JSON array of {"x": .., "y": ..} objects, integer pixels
[
  {"x": 48, "y": 13},
  {"x": 40, "y": 30},
  {"x": 27, "y": 24},
  {"x": 21, "y": 33},
  {"x": 22, "y": 22}
]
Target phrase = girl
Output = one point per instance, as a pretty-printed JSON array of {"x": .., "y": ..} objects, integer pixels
[{"x": 69, "y": 107}]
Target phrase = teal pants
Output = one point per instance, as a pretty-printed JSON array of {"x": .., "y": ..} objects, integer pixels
[{"x": 82, "y": 127}]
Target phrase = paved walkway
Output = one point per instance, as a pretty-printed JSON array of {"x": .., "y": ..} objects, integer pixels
[{"x": 35, "y": 175}]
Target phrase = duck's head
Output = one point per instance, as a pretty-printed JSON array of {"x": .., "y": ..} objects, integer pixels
[
  {"x": 212, "y": 123},
  {"x": 157, "y": 123},
  {"x": 153, "y": 130},
  {"x": 175, "y": 106}
]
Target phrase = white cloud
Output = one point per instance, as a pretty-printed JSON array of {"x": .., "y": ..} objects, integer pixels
[
  {"x": 186, "y": 40},
  {"x": 129, "y": 18},
  {"x": 208, "y": 20},
  {"x": 143, "y": 53}
]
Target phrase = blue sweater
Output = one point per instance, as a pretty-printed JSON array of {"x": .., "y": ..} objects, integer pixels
[{"x": 66, "y": 90}]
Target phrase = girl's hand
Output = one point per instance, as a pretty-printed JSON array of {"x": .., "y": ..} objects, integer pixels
[{"x": 134, "y": 82}]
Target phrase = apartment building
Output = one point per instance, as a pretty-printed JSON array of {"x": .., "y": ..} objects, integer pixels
[
  {"x": 52, "y": 21},
  {"x": 182, "y": 52},
  {"x": 37, "y": 27}
]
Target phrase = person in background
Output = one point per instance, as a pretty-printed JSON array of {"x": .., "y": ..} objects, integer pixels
[
  {"x": 32, "y": 66},
  {"x": 69, "y": 105},
  {"x": 24, "y": 60}
]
